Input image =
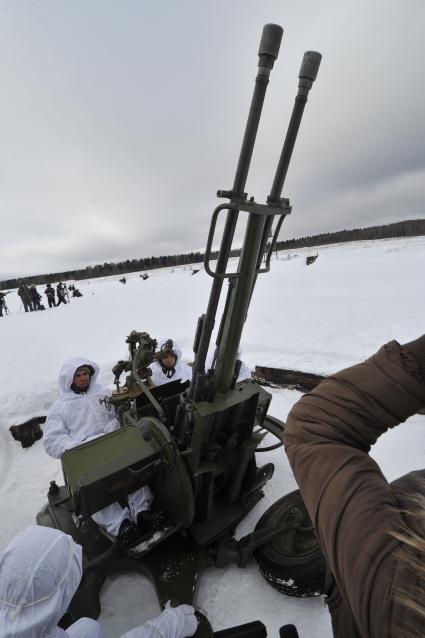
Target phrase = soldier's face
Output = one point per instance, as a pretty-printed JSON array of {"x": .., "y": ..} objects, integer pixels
[
  {"x": 81, "y": 379},
  {"x": 169, "y": 360}
]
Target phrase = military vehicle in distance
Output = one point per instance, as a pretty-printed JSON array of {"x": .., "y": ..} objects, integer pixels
[{"x": 197, "y": 446}]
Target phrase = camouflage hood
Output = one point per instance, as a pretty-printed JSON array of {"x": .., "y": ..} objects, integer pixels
[
  {"x": 175, "y": 349},
  {"x": 40, "y": 571},
  {"x": 67, "y": 372}
]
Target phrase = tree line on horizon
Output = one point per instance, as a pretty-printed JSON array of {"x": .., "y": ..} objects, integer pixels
[{"x": 409, "y": 228}]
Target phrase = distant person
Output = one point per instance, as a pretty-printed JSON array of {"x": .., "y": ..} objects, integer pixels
[
  {"x": 40, "y": 571},
  {"x": 76, "y": 417},
  {"x": 24, "y": 293},
  {"x": 2, "y": 303},
  {"x": 372, "y": 532},
  {"x": 61, "y": 293},
  {"x": 35, "y": 298},
  {"x": 50, "y": 294},
  {"x": 168, "y": 365}
]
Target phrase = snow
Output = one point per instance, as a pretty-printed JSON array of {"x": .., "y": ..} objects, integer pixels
[{"x": 317, "y": 318}]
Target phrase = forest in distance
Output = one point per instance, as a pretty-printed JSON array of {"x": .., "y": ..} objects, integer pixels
[{"x": 408, "y": 228}]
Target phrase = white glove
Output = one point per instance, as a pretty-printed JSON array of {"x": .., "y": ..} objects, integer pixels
[{"x": 175, "y": 622}]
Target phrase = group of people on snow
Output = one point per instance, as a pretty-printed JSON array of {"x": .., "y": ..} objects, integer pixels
[
  {"x": 371, "y": 532},
  {"x": 32, "y": 300},
  {"x": 34, "y": 297},
  {"x": 61, "y": 292},
  {"x": 30, "y": 297}
]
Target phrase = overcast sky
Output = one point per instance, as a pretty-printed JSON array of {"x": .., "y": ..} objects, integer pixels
[{"x": 119, "y": 120}]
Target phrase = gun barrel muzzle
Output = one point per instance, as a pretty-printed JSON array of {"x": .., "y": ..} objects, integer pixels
[
  {"x": 270, "y": 44},
  {"x": 310, "y": 65}
]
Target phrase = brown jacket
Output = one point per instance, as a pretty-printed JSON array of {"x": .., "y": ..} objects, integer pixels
[{"x": 327, "y": 438}]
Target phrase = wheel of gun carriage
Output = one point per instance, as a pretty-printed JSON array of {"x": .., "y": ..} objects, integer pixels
[{"x": 292, "y": 562}]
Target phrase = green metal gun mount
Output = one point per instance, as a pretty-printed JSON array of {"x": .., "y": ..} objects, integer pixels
[{"x": 198, "y": 446}]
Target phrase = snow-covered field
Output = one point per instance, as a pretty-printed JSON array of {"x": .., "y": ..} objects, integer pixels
[{"x": 316, "y": 318}]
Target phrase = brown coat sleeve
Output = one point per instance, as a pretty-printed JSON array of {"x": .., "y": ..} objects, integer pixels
[{"x": 327, "y": 438}]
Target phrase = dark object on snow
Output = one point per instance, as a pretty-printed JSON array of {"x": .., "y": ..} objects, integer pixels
[
  {"x": 76, "y": 292},
  {"x": 194, "y": 272},
  {"x": 288, "y": 631},
  {"x": 28, "y": 432},
  {"x": 293, "y": 379},
  {"x": 123, "y": 280},
  {"x": 255, "y": 629},
  {"x": 311, "y": 259},
  {"x": 144, "y": 276},
  {"x": 303, "y": 381}
]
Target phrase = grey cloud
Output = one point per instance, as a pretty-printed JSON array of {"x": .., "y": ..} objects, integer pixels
[{"x": 121, "y": 120}]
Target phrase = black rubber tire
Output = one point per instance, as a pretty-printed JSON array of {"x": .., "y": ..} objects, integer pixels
[{"x": 294, "y": 566}]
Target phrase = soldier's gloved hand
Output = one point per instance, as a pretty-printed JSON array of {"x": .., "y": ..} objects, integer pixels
[{"x": 176, "y": 622}]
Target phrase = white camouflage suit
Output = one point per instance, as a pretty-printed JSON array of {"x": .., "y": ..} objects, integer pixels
[
  {"x": 182, "y": 371},
  {"x": 76, "y": 418},
  {"x": 40, "y": 571}
]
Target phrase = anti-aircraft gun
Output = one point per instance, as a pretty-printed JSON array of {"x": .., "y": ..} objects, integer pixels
[{"x": 197, "y": 446}]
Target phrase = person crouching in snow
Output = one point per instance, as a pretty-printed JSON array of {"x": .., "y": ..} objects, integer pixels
[
  {"x": 76, "y": 417},
  {"x": 168, "y": 365},
  {"x": 40, "y": 571}
]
